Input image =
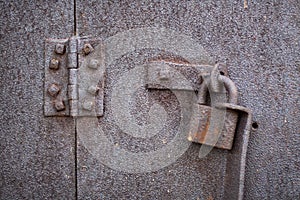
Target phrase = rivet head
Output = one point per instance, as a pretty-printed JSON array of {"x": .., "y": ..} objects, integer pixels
[
  {"x": 87, "y": 48},
  {"x": 164, "y": 74},
  {"x": 88, "y": 105},
  {"x": 53, "y": 90},
  {"x": 60, "y": 48},
  {"x": 59, "y": 105},
  {"x": 93, "y": 64},
  {"x": 93, "y": 89},
  {"x": 54, "y": 64}
]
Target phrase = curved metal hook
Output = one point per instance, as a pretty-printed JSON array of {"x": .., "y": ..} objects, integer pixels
[{"x": 229, "y": 86}]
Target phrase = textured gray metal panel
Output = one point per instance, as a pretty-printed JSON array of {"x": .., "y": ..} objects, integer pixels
[
  {"x": 36, "y": 153},
  {"x": 260, "y": 45}
]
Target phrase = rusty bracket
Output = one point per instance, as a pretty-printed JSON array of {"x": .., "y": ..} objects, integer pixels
[
  {"x": 74, "y": 77},
  {"x": 56, "y": 78},
  {"x": 90, "y": 77},
  {"x": 160, "y": 75}
]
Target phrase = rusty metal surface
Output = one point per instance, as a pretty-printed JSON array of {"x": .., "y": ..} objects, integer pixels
[
  {"x": 259, "y": 41},
  {"x": 260, "y": 45},
  {"x": 160, "y": 75},
  {"x": 225, "y": 136},
  {"x": 192, "y": 177},
  {"x": 221, "y": 136},
  {"x": 36, "y": 153},
  {"x": 70, "y": 88},
  {"x": 166, "y": 75},
  {"x": 56, "y": 78},
  {"x": 90, "y": 69}
]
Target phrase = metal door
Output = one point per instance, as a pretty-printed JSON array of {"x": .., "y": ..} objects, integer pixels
[
  {"x": 52, "y": 158},
  {"x": 37, "y": 154}
]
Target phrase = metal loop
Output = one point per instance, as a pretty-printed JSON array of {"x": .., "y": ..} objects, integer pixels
[
  {"x": 229, "y": 86},
  {"x": 215, "y": 83}
]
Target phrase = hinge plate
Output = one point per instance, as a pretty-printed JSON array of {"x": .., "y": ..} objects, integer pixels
[
  {"x": 74, "y": 77},
  {"x": 56, "y": 78},
  {"x": 91, "y": 75}
]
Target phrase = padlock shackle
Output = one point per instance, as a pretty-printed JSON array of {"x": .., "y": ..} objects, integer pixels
[{"x": 229, "y": 86}]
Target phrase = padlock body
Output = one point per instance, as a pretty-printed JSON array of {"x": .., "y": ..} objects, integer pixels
[{"x": 200, "y": 131}]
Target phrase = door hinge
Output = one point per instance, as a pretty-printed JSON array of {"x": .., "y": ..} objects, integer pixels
[{"x": 74, "y": 77}]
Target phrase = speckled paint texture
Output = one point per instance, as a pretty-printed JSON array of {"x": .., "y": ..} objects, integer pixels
[
  {"x": 260, "y": 46},
  {"x": 37, "y": 159}
]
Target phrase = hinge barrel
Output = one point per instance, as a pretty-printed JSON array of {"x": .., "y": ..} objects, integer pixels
[
  {"x": 73, "y": 92},
  {"x": 73, "y": 76},
  {"x": 72, "y": 56}
]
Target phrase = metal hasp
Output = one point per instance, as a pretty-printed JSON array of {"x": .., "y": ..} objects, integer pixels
[
  {"x": 74, "y": 77},
  {"x": 160, "y": 75},
  {"x": 203, "y": 78}
]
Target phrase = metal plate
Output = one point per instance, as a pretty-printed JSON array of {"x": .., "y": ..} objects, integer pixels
[
  {"x": 259, "y": 44},
  {"x": 162, "y": 75},
  {"x": 58, "y": 77},
  {"x": 36, "y": 152},
  {"x": 91, "y": 77}
]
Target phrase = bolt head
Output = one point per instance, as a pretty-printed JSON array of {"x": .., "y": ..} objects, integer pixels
[
  {"x": 87, "y": 48},
  {"x": 53, "y": 90},
  {"x": 60, "y": 48},
  {"x": 93, "y": 64},
  {"x": 54, "y": 64},
  {"x": 164, "y": 74},
  {"x": 88, "y": 105},
  {"x": 93, "y": 89},
  {"x": 59, "y": 105}
]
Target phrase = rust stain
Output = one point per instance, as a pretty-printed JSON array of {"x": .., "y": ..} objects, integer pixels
[
  {"x": 210, "y": 198},
  {"x": 172, "y": 59},
  {"x": 245, "y": 4}
]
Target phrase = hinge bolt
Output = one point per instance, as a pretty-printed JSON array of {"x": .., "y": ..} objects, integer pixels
[
  {"x": 93, "y": 89},
  {"x": 53, "y": 90},
  {"x": 59, "y": 105},
  {"x": 60, "y": 48},
  {"x": 54, "y": 64},
  {"x": 93, "y": 64},
  {"x": 88, "y": 105},
  {"x": 164, "y": 74},
  {"x": 87, "y": 48}
]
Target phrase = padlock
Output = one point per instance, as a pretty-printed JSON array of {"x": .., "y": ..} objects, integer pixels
[{"x": 223, "y": 135}]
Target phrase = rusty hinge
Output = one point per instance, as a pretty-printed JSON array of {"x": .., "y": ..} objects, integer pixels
[{"x": 74, "y": 77}]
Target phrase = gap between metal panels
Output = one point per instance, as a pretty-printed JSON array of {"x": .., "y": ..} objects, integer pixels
[{"x": 75, "y": 135}]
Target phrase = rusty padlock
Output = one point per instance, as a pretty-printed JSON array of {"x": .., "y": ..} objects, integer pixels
[{"x": 203, "y": 118}]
